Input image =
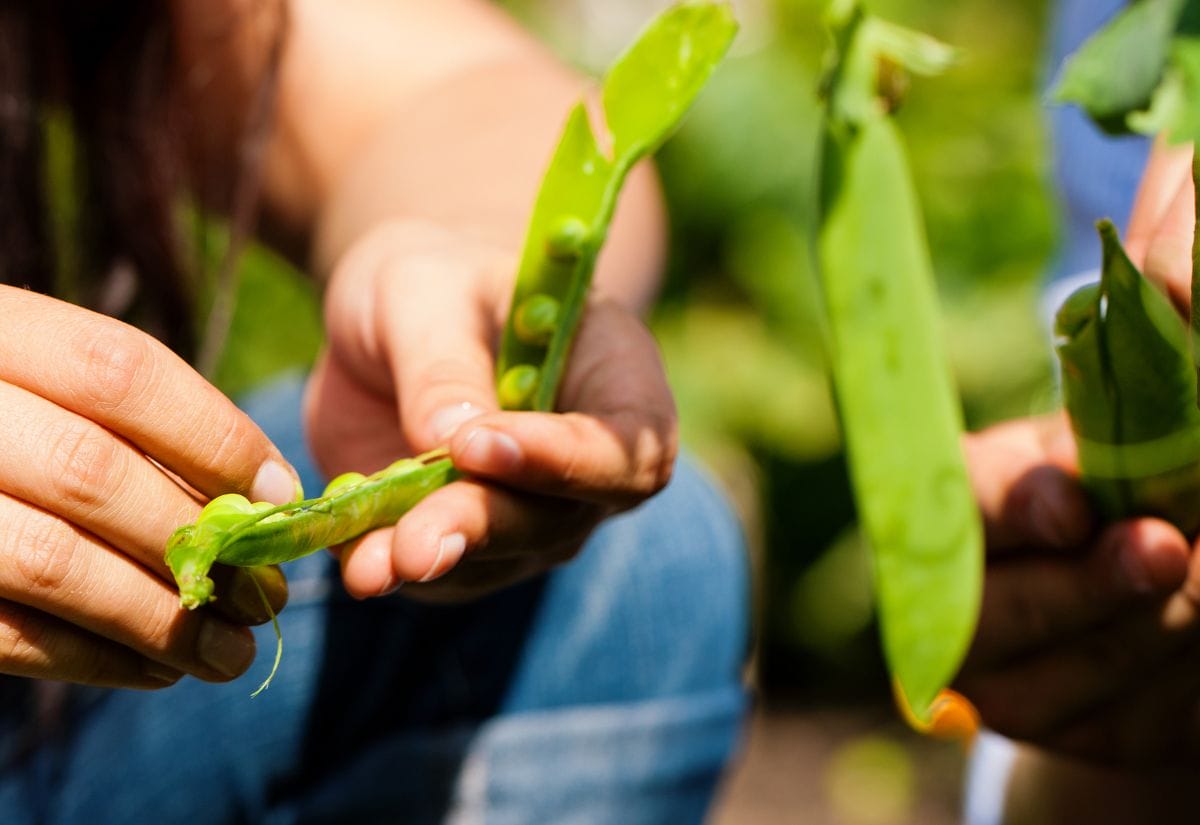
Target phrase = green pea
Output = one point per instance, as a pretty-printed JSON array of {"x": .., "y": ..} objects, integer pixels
[
  {"x": 226, "y": 511},
  {"x": 536, "y": 319},
  {"x": 342, "y": 482},
  {"x": 516, "y": 387},
  {"x": 566, "y": 239}
]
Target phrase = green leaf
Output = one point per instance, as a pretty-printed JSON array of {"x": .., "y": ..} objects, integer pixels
[
  {"x": 1175, "y": 107},
  {"x": 1118, "y": 69}
]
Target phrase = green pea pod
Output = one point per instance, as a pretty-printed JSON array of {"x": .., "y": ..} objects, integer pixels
[
  {"x": 1130, "y": 392},
  {"x": 645, "y": 95},
  {"x": 233, "y": 531},
  {"x": 897, "y": 403}
]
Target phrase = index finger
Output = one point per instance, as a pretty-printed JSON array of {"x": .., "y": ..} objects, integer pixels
[
  {"x": 1023, "y": 477},
  {"x": 131, "y": 384}
]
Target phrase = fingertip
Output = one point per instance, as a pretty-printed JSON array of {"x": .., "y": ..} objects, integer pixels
[
  {"x": 276, "y": 482},
  {"x": 487, "y": 451},
  {"x": 367, "y": 569},
  {"x": 1151, "y": 556},
  {"x": 450, "y": 550},
  {"x": 1053, "y": 508},
  {"x": 447, "y": 420}
]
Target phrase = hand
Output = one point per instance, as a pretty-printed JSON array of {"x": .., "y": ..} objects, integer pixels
[
  {"x": 1163, "y": 222},
  {"x": 1088, "y": 641},
  {"x": 107, "y": 442},
  {"x": 413, "y": 313}
]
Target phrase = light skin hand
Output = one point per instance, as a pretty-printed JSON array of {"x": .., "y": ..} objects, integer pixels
[
  {"x": 414, "y": 313},
  {"x": 110, "y": 443}
]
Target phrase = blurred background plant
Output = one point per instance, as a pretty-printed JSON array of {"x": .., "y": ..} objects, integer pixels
[{"x": 739, "y": 327}]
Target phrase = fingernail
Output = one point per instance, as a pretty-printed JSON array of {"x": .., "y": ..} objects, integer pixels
[
  {"x": 377, "y": 552},
  {"x": 446, "y": 421},
  {"x": 488, "y": 451},
  {"x": 161, "y": 673},
  {"x": 450, "y": 551},
  {"x": 274, "y": 483},
  {"x": 1134, "y": 571},
  {"x": 224, "y": 648}
]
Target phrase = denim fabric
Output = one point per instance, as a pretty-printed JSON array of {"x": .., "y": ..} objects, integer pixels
[{"x": 608, "y": 691}]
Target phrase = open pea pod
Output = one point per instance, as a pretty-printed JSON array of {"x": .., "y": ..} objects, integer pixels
[
  {"x": 897, "y": 403},
  {"x": 645, "y": 95},
  {"x": 1130, "y": 393}
]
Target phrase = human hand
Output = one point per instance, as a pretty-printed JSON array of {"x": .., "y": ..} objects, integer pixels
[
  {"x": 1088, "y": 639},
  {"x": 109, "y": 443},
  {"x": 413, "y": 312}
]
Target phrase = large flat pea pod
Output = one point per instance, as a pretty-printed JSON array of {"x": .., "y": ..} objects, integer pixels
[
  {"x": 1130, "y": 393},
  {"x": 899, "y": 410}
]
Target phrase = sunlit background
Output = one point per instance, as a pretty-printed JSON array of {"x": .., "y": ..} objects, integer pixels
[{"x": 738, "y": 327}]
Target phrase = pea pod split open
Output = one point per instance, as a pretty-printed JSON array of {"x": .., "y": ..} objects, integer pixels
[
  {"x": 645, "y": 96},
  {"x": 897, "y": 403}
]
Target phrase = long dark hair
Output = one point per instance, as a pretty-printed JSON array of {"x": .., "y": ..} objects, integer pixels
[{"x": 108, "y": 75}]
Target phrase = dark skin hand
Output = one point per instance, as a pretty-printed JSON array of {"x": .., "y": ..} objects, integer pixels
[{"x": 1089, "y": 637}]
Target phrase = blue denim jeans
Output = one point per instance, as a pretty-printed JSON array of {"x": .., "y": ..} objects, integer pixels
[{"x": 609, "y": 691}]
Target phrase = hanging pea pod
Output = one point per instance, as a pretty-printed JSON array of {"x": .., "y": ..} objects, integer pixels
[
  {"x": 645, "y": 94},
  {"x": 1130, "y": 392},
  {"x": 897, "y": 403}
]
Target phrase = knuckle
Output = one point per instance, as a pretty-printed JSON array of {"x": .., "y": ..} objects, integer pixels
[
  {"x": 236, "y": 443},
  {"x": 45, "y": 557},
  {"x": 83, "y": 460},
  {"x": 114, "y": 360},
  {"x": 24, "y": 636},
  {"x": 163, "y": 627}
]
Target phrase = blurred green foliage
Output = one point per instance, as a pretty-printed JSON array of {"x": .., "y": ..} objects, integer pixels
[{"x": 738, "y": 320}]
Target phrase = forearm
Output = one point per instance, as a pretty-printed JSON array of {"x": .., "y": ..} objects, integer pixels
[
  {"x": 468, "y": 154},
  {"x": 448, "y": 114}
]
